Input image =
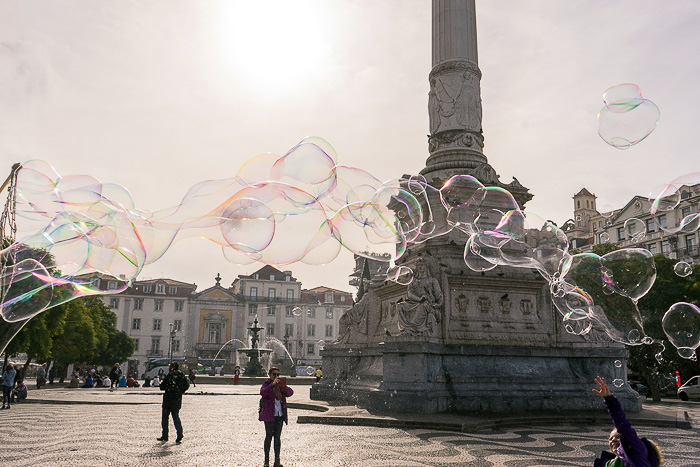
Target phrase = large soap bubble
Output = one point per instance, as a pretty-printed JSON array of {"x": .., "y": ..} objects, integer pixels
[
  {"x": 627, "y": 118},
  {"x": 681, "y": 324}
]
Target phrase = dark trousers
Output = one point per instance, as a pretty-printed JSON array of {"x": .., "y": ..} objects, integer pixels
[
  {"x": 273, "y": 430},
  {"x": 6, "y": 392},
  {"x": 176, "y": 420}
]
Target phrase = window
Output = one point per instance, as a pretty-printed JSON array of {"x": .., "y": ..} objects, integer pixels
[
  {"x": 215, "y": 333},
  {"x": 652, "y": 248},
  {"x": 136, "y": 345},
  {"x": 179, "y": 305},
  {"x": 312, "y": 312},
  {"x": 272, "y": 277},
  {"x": 600, "y": 224},
  {"x": 311, "y": 349},
  {"x": 289, "y": 311},
  {"x": 253, "y": 309},
  {"x": 578, "y": 204},
  {"x": 177, "y": 325},
  {"x": 685, "y": 211},
  {"x": 271, "y": 293},
  {"x": 112, "y": 285},
  {"x": 287, "y": 278},
  {"x": 310, "y": 330},
  {"x": 256, "y": 276},
  {"x": 620, "y": 233},
  {"x": 290, "y": 294},
  {"x": 271, "y": 310},
  {"x": 138, "y": 303},
  {"x": 288, "y": 329},
  {"x": 587, "y": 206},
  {"x": 328, "y": 297},
  {"x": 690, "y": 244},
  {"x": 172, "y": 290},
  {"x": 661, "y": 221},
  {"x": 147, "y": 289},
  {"x": 270, "y": 329},
  {"x": 329, "y": 330},
  {"x": 329, "y": 313},
  {"x": 160, "y": 288},
  {"x": 651, "y": 225},
  {"x": 156, "y": 324},
  {"x": 136, "y": 323},
  {"x": 159, "y": 305},
  {"x": 114, "y": 302},
  {"x": 176, "y": 345},
  {"x": 342, "y": 298},
  {"x": 155, "y": 345},
  {"x": 665, "y": 247},
  {"x": 253, "y": 292}
]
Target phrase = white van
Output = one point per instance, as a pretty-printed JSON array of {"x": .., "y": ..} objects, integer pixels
[{"x": 690, "y": 390}]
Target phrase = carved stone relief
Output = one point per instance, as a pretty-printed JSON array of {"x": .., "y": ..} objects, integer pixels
[
  {"x": 526, "y": 306},
  {"x": 505, "y": 305},
  {"x": 454, "y": 102},
  {"x": 484, "y": 304}
]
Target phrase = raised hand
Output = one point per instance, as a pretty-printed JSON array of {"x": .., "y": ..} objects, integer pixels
[{"x": 603, "y": 391}]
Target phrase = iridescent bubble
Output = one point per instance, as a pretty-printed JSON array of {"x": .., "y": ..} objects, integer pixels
[
  {"x": 607, "y": 211},
  {"x": 310, "y": 370},
  {"x": 296, "y": 311},
  {"x": 618, "y": 364},
  {"x": 635, "y": 229},
  {"x": 681, "y": 324},
  {"x": 683, "y": 269},
  {"x": 626, "y": 119},
  {"x": 321, "y": 344},
  {"x": 618, "y": 383},
  {"x": 604, "y": 237},
  {"x": 664, "y": 198},
  {"x": 404, "y": 275}
]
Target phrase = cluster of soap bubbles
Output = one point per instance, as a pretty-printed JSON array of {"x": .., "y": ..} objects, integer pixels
[
  {"x": 627, "y": 118},
  {"x": 681, "y": 324},
  {"x": 305, "y": 207}
]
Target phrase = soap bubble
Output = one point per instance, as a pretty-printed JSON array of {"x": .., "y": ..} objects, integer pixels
[
  {"x": 618, "y": 364},
  {"x": 604, "y": 237},
  {"x": 683, "y": 269},
  {"x": 618, "y": 383},
  {"x": 321, "y": 344},
  {"x": 310, "y": 370},
  {"x": 681, "y": 324},
  {"x": 607, "y": 211},
  {"x": 627, "y": 118},
  {"x": 635, "y": 229},
  {"x": 296, "y": 311}
]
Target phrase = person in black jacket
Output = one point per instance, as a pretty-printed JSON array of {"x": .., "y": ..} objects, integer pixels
[{"x": 174, "y": 384}]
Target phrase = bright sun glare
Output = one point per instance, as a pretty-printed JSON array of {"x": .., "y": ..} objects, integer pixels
[{"x": 275, "y": 44}]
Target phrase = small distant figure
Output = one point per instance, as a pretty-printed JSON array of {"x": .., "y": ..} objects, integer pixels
[
  {"x": 192, "y": 374},
  {"x": 41, "y": 376},
  {"x": 130, "y": 382},
  {"x": 107, "y": 383},
  {"x": 147, "y": 382},
  {"x": 8, "y": 381},
  {"x": 319, "y": 374},
  {"x": 273, "y": 411},
  {"x": 20, "y": 392},
  {"x": 122, "y": 381},
  {"x": 114, "y": 375},
  {"x": 221, "y": 372},
  {"x": 156, "y": 381},
  {"x": 627, "y": 449},
  {"x": 161, "y": 374},
  {"x": 98, "y": 380},
  {"x": 174, "y": 384},
  {"x": 88, "y": 381},
  {"x": 236, "y": 374},
  {"x": 74, "y": 381}
]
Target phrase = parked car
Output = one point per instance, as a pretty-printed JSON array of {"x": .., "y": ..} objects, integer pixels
[{"x": 690, "y": 390}]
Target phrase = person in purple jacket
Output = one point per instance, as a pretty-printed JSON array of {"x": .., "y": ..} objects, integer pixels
[
  {"x": 628, "y": 449},
  {"x": 273, "y": 411}
]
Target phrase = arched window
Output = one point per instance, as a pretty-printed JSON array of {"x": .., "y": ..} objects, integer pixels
[
  {"x": 587, "y": 206},
  {"x": 578, "y": 204}
]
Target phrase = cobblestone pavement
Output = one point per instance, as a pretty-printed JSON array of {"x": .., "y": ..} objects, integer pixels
[{"x": 95, "y": 427}]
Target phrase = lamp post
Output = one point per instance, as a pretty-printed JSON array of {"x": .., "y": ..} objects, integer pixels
[{"x": 170, "y": 343}]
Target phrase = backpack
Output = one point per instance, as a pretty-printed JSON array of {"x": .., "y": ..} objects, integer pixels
[{"x": 182, "y": 383}]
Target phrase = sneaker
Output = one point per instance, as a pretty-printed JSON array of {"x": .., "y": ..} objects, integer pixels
[{"x": 162, "y": 438}]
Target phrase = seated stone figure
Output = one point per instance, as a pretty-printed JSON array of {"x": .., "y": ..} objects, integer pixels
[{"x": 421, "y": 311}]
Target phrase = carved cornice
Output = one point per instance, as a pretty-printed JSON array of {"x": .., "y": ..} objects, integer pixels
[
  {"x": 451, "y": 66},
  {"x": 451, "y": 139}
]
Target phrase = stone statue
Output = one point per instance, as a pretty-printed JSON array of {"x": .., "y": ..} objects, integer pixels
[{"x": 421, "y": 311}]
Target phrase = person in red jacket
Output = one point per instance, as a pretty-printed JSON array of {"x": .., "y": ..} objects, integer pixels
[{"x": 273, "y": 411}]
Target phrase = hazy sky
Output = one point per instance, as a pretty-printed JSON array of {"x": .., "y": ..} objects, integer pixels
[{"x": 159, "y": 95}]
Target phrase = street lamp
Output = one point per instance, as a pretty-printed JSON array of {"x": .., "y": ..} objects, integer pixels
[{"x": 170, "y": 343}]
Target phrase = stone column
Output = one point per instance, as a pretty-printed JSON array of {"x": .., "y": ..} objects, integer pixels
[{"x": 454, "y": 101}]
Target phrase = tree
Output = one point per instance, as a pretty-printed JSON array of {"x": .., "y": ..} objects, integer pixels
[
  {"x": 112, "y": 345},
  {"x": 77, "y": 342}
]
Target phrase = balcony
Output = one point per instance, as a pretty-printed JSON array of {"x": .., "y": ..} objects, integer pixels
[
  {"x": 213, "y": 347},
  {"x": 259, "y": 298},
  {"x": 692, "y": 252}
]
